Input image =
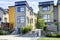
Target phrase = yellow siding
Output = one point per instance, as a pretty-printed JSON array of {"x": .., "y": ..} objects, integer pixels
[{"x": 12, "y": 16}]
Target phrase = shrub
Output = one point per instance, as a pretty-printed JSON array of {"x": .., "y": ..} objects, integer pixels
[
  {"x": 5, "y": 32},
  {"x": 1, "y": 33},
  {"x": 48, "y": 35},
  {"x": 26, "y": 29},
  {"x": 54, "y": 35},
  {"x": 6, "y": 29},
  {"x": 0, "y": 28},
  {"x": 29, "y": 27},
  {"x": 51, "y": 35},
  {"x": 58, "y": 35}
]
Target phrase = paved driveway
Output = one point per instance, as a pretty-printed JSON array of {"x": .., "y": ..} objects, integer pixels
[{"x": 16, "y": 37}]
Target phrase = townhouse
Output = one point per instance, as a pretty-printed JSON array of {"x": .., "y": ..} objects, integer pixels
[
  {"x": 4, "y": 18},
  {"x": 50, "y": 12},
  {"x": 21, "y": 15}
]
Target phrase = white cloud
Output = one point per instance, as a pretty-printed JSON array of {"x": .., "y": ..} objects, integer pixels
[
  {"x": 11, "y": 0},
  {"x": 5, "y": 4},
  {"x": 34, "y": 5},
  {"x": 55, "y": 2}
]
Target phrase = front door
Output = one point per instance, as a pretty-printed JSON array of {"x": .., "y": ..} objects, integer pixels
[{"x": 19, "y": 31}]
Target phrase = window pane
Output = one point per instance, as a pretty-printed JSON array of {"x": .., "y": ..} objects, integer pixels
[
  {"x": 48, "y": 20},
  {"x": 20, "y": 9},
  {"x": 46, "y": 8},
  {"x": 48, "y": 16},
  {"x": 20, "y": 19},
  {"x": 5, "y": 19},
  {"x": 0, "y": 19},
  {"x": 31, "y": 21},
  {"x": 45, "y": 16},
  {"x": 28, "y": 19}
]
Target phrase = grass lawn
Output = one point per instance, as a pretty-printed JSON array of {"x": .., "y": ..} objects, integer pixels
[{"x": 49, "y": 39}]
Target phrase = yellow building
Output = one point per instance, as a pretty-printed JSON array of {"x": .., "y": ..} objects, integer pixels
[{"x": 12, "y": 16}]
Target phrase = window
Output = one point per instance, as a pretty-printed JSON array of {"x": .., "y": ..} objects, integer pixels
[
  {"x": 28, "y": 19},
  {"x": 31, "y": 13},
  {"x": 20, "y": 9},
  {"x": 35, "y": 21},
  {"x": 46, "y": 8},
  {"x": 0, "y": 19},
  {"x": 20, "y": 19},
  {"x": 5, "y": 19},
  {"x": 31, "y": 21},
  {"x": 46, "y": 17}
]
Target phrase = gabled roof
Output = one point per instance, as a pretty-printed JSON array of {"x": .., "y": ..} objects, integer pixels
[{"x": 2, "y": 10}]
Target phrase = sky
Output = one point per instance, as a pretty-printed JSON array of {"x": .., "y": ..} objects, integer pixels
[{"x": 32, "y": 3}]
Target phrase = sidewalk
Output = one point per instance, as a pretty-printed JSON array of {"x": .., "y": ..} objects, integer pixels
[{"x": 13, "y": 37}]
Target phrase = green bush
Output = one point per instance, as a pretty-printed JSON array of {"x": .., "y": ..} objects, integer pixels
[
  {"x": 58, "y": 35},
  {"x": 29, "y": 27},
  {"x": 1, "y": 33},
  {"x": 0, "y": 28},
  {"x": 5, "y": 33},
  {"x": 26, "y": 29},
  {"x": 6, "y": 29},
  {"x": 54, "y": 35},
  {"x": 51, "y": 35},
  {"x": 49, "y": 31},
  {"x": 48, "y": 35}
]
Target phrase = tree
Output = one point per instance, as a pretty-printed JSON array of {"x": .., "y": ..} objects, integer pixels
[{"x": 40, "y": 22}]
